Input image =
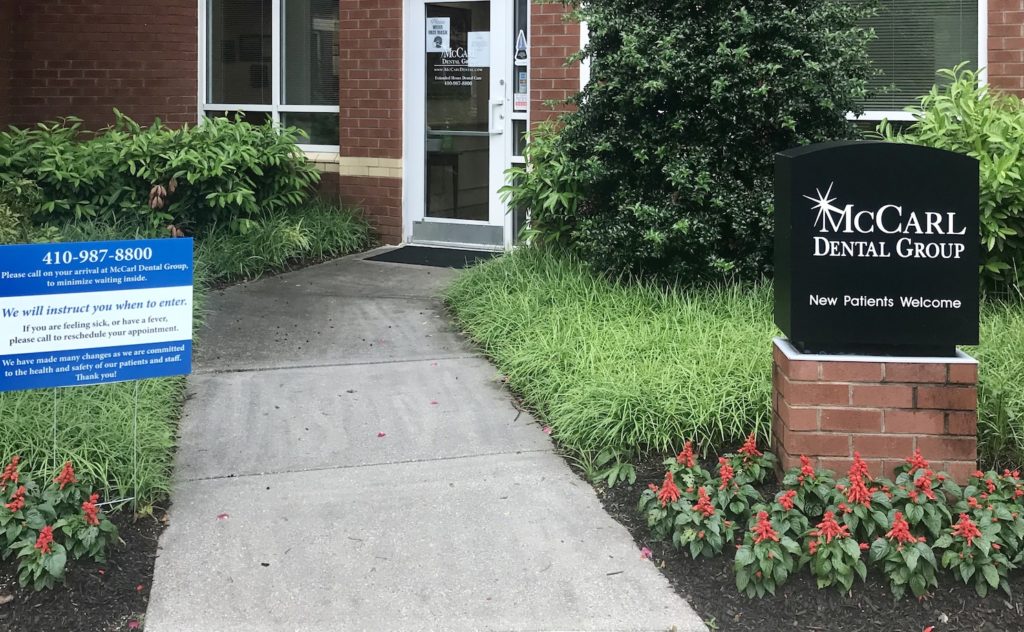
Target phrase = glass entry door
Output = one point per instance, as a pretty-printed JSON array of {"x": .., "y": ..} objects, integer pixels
[{"x": 462, "y": 123}]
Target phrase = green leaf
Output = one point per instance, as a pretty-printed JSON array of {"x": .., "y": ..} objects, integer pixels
[
  {"x": 55, "y": 561},
  {"x": 744, "y": 556},
  {"x": 991, "y": 575},
  {"x": 879, "y": 549}
]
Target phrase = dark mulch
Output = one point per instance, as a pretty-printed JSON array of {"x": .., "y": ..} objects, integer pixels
[
  {"x": 709, "y": 586},
  {"x": 89, "y": 601}
]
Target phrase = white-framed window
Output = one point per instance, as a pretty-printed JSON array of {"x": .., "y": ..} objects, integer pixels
[
  {"x": 915, "y": 38},
  {"x": 272, "y": 60}
]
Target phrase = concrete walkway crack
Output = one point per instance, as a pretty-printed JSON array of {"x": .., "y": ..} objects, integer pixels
[
  {"x": 290, "y": 367},
  {"x": 358, "y": 466}
]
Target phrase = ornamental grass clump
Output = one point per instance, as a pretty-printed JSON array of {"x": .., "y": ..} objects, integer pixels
[{"x": 44, "y": 525}]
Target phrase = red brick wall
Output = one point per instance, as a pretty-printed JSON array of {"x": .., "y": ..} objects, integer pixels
[
  {"x": 1006, "y": 45},
  {"x": 828, "y": 410},
  {"x": 371, "y": 78},
  {"x": 553, "y": 40},
  {"x": 86, "y": 57},
  {"x": 371, "y": 107},
  {"x": 6, "y": 49}
]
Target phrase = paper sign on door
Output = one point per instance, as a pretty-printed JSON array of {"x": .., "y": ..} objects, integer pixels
[
  {"x": 478, "y": 53},
  {"x": 438, "y": 34}
]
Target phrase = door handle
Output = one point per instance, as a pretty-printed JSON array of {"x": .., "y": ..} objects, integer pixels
[{"x": 491, "y": 105}]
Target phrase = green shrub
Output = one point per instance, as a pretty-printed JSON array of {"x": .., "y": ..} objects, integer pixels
[
  {"x": 221, "y": 171},
  {"x": 630, "y": 367},
  {"x": 965, "y": 116},
  {"x": 548, "y": 186},
  {"x": 688, "y": 101},
  {"x": 19, "y": 198}
]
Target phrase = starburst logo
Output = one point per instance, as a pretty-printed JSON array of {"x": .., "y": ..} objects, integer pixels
[{"x": 833, "y": 215}]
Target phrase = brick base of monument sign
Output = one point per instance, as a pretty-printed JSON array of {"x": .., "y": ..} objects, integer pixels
[{"x": 828, "y": 407}]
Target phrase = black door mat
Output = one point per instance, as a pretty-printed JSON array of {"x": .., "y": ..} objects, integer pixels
[{"x": 437, "y": 257}]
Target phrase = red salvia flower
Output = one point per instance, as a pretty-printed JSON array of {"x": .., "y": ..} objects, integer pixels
[
  {"x": 66, "y": 476},
  {"x": 900, "y": 531},
  {"x": 978, "y": 474},
  {"x": 966, "y": 529},
  {"x": 654, "y": 488},
  {"x": 763, "y": 530},
  {"x": 991, "y": 485},
  {"x": 786, "y": 499},
  {"x": 10, "y": 474},
  {"x": 829, "y": 529},
  {"x": 703, "y": 505},
  {"x": 857, "y": 492},
  {"x": 806, "y": 470},
  {"x": 917, "y": 462},
  {"x": 864, "y": 546},
  {"x": 924, "y": 485},
  {"x": 45, "y": 539},
  {"x": 859, "y": 469},
  {"x": 17, "y": 500},
  {"x": 686, "y": 458},
  {"x": 812, "y": 547},
  {"x": 749, "y": 449},
  {"x": 669, "y": 493},
  {"x": 973, "y": 503},
  {"x": 725, "y": 471},
  {"x": 89, "y": 510}
]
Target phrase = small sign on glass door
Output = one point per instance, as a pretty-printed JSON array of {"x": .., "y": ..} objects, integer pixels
[{"x": 439, "y": 33}]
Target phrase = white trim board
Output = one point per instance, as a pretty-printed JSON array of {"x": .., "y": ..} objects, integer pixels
[{"x": 787, "y": 348}]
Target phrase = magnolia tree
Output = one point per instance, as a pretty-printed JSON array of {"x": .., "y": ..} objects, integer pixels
[{"x": 673, "y": 139}]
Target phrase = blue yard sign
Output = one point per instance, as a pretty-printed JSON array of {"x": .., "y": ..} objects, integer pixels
[{"x": 73, "y": 314}]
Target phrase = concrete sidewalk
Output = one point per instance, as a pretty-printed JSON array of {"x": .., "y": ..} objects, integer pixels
[{"x": 348, "y": 462}]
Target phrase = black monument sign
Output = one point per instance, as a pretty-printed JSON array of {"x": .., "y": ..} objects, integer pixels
[{"x": 876, "y": 248}]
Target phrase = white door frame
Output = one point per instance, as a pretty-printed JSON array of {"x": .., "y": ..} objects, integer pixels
[{"x": 414, "y": 117}]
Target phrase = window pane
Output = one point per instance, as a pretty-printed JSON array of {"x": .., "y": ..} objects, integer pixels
[
  {"x": 518, "y": 137},
  {"x": 253, "y": 118},
  {"x": 914, "y": 39},
  {"x": 321, "y": 127},
  {"x": 240, "y": 52},
  {"x": 309, "y": 46}
]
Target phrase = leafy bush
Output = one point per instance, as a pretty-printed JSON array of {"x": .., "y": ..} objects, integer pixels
[
  {"x": 548, "y": 186},
  {"x": 44, "y": 525},
  {"x": 221, "y": 171},
  {"x": 675, "y": 134},
  {"x": 19, "y": 199},
  {"x": 966, "y": 116}
]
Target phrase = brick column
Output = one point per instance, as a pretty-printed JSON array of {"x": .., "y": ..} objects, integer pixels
[
  {"x": 370, "y": 164},
  {"x": 1006, "y": 45},
  {"x": 553, "y": 40},
  {"x": 828, "y": 407}
]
